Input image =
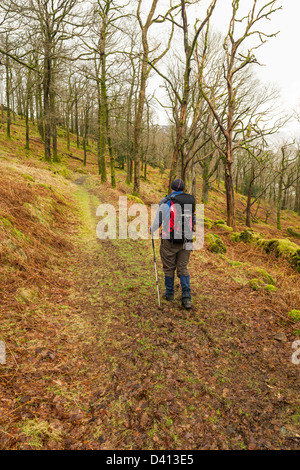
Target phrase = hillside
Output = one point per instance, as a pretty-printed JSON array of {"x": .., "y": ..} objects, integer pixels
[{"x": 92, "y": 363}]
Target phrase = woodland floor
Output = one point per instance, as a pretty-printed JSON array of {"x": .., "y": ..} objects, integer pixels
[{"x": 115, "y": 372}]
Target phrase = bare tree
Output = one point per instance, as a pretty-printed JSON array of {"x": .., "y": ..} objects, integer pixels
[
  {"x": 144, "y": 75},
  {"x": 48, "y": 20},
  {"x": 286, "y": 179},
  {"x": 235, "y": 61}
]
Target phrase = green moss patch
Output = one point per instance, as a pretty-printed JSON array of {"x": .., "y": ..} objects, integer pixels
[
  {"x": 282, "y": 248},
  {"x": 235, "y": 237},
  {"x": 270, "y": 288},
  {"x": 256, "y": 284},
  {"x": 224, "y": 227},
  {"x": 28, "y": 177},
  {"x": 215, "y": 244},
  {"x": 294, "y": 315},
  {"x": 64, "y": 172},
  {"x": 208, "y": 223},
  {"x": 136, "y": 199},
  {"x": 235, "y": 264},
  {"x": 293, "y": 232},
  {"x": 263, "y": 280},
  {"x": 266, "y": 276},
  {"x": 247, "y": 236},
  {"x": 220, "y": 222},
  {"x": 81, "y": 171}
]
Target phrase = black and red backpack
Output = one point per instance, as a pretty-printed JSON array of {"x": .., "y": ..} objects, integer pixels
[{"x": 182, "y": 208}]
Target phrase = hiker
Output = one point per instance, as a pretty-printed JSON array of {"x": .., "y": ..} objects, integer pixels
[{"x": 177, "y": 218}]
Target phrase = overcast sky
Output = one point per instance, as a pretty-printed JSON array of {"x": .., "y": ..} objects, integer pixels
[{"x": 279, "y": 55}]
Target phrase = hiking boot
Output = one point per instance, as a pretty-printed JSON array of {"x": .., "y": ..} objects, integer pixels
[
  {"x": 187, "y": 303},
  {"x": 169, "y": 294},
  {"x": 168, "y": 297},
  {"x": 186, "y": 292}
]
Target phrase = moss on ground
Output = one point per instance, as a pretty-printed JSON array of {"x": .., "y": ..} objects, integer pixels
[
  {"x": 235, "y": 264},
  {"x": 224, "y": 226},
  {"x": 266, "y": 276},
  {"x": 295, "y": 315},
  {"x": 249, "y": 236},
  {"x": 293, "y": 232},
  {"x": 208, "y": 223},
  {"x": 282, "y": 248},
  {"x": 62, "y": 171},
  {"x": 256, "y": 284},
  {"x": 28, "y": 177},
  {"x": 136, "y": 199},
  {"x": 235, "y": 237},
  {"x": 215, "y": 244},
  {"x": 220, "y": 222},
  {"x": 270, "y": 288}
]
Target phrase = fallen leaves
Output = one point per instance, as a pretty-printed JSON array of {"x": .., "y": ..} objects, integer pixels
[{"x": 103, "y": 369}]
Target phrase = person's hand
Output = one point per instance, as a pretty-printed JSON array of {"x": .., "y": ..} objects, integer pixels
[{"x": 194, "y": 228}]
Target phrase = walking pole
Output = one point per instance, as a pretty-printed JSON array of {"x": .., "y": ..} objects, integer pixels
[{"x": 157, "y": 287}]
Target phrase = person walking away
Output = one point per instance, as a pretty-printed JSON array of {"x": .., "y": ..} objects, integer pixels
[{"x": 176, "y": 216}]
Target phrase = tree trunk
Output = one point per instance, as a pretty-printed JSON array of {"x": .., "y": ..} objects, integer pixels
[
  {"x": 39, "y": 111},
  {"x": 147, "y": 142},
  {"x": 76, "y": 121},
  {"x": 68, "y": 125},
  {"x": 141, "y": 99},
  {"x": 205, "y": 183},
  {"x": 8, "y": 90},
  {"x": 129, "y": 127},
  {"x": 279, "y": 202},
  {"x": 297, "y": 196},
  {"x": 229, "y": 190},
  {"x": 194, "y": 186},
  {"x": 85, "y": 134},
  {"x": 99, "y": 128},
  {"x": 248, "y": 209},
  {"x": 105, "y": 114},
  {"x": 102, "y": 140},
  {"x": 27, "y": 104},
  {"x": 138, "y": 127},
  {"x": 53, "y": 123},
  {"x": 177, "y": 158},
  {"x": 47, "y": 108},
  {"x": 31, "y": 106}
]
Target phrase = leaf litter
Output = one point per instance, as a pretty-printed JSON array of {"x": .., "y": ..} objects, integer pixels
[{"x": 94, "y": 364}]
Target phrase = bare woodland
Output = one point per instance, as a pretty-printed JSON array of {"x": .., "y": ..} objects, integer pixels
[{"x": 92, "y": 69}]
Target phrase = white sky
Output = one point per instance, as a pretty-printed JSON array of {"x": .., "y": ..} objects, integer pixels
[{"x": 279, "y": 55}]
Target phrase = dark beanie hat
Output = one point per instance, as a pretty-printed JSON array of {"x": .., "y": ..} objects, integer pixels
[{"x": 178, "y": 185}]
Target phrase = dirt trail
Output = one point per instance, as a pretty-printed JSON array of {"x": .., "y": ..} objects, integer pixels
[{"x": 211, "y": 378}]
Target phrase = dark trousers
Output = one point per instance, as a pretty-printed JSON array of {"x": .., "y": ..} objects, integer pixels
[{"x": 174, "y": 256}]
